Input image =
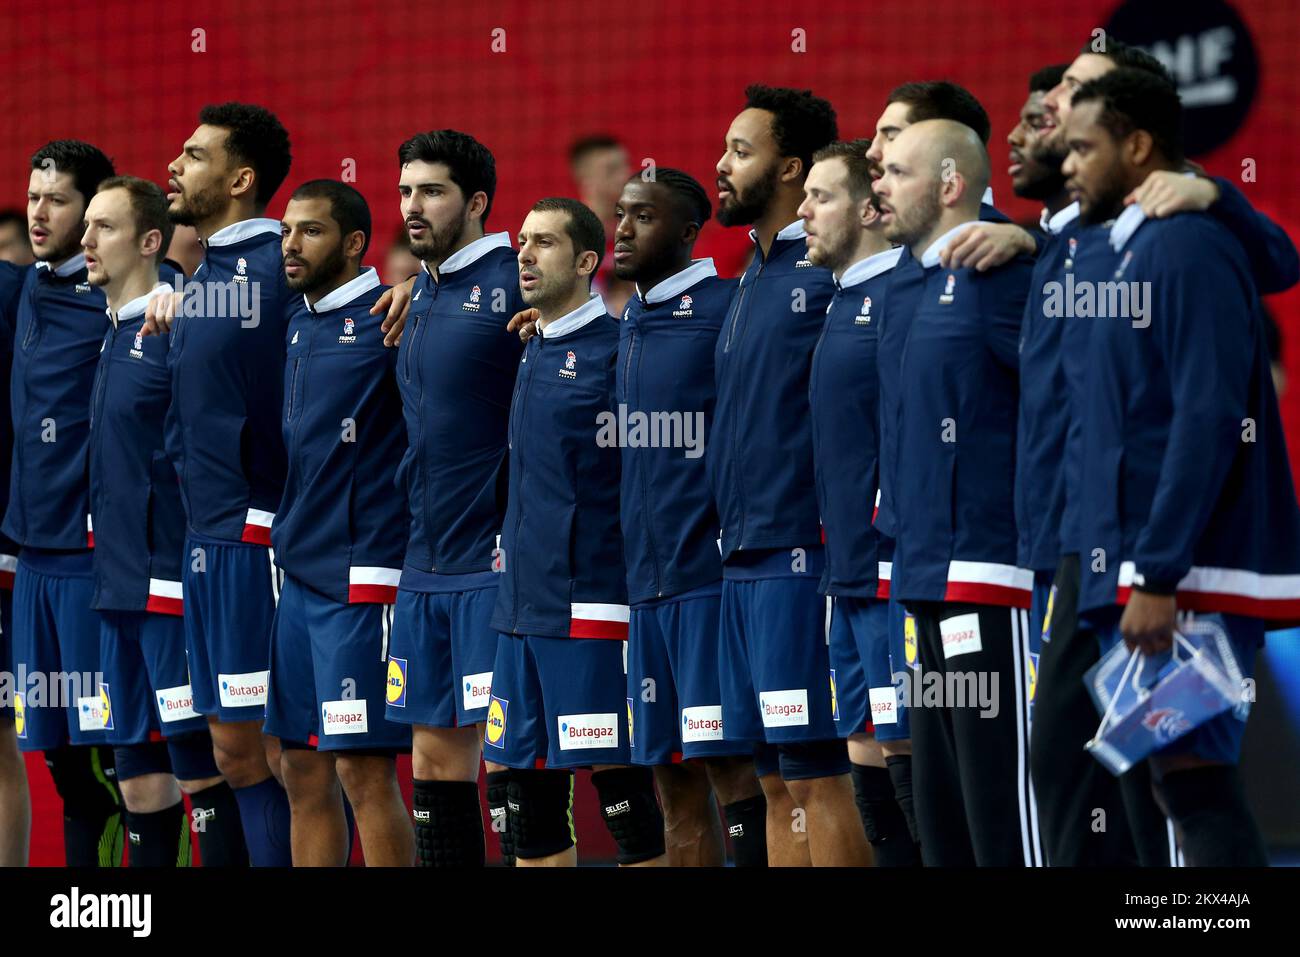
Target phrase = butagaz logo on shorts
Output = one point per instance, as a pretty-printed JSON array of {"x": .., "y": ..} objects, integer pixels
[
  {"x": 1099, "y": 300},
  {"x": 242, "y": 691},
  {"x": 651, "y": 430},
  {"x": 952, "y": 689},
  {"x": 702, "y": 723},
  {"x": 77, "y": 910},
  {"x": 176, "y": 704},
  {"x": 476, "y": 690},
  {"x": 343, "y": 717},
  {"x": 783, "y": 708},
  {"x": 578, "y": 731}
]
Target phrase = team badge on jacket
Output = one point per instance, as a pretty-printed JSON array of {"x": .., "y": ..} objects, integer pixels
[
  {"x": 863, "y": 317},
  {"x": 684, "y": 307},
  {"x": 472, "y": 304},
  {"x": 947, "y": 290},
  {"x": 349, "y": 331},
  {"x": 570, "y": 362}
]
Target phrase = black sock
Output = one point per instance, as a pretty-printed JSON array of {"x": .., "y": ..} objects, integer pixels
[
  {"x": 747, "y": 828},
  {"x": 448, "y": 824},
  {"x": 85, "y": 778},
  {"x": 882, "y": 818},
  {"x": 1214, "y": 823},
  {"x": 159, "y": 838},
  {"x": 221, "y": 834},
  {"x": 900, "y": 773},
  {"x": 498, "y": 788},
  {"x": 1147, "y": 823}
]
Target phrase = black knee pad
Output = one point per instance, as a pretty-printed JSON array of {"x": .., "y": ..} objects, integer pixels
[
  {"x": 137, "y": 760},
  {"x": 498, "y": 794},
  {"x": 86, "y": 779},
  {"x": 628, "y": 805},
  {"x": 191, "y": 756},
  {"x": 540, "y": 805},
  {"x": 806, "y": 760}
]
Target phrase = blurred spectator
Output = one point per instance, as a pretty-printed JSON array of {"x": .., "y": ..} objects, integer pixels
[
  {"x": 186, "y": 251},
  {"x": 599, "y": 166},
  {"x": 398, "y": 261},
  {"x": 14, "y": 244}
]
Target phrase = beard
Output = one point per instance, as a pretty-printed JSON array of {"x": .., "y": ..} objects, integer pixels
[
  {"x": 745, "y": 208},
  {"x": 1107, "y": 204},
  {"x": 198, "y": 207},
  {"x": 69, "y": 247},
  {"x": 319, "y": 276},
  {"x": 439, "y": 242},
  {"x": 1045, "y": 159},
  {"x": 911, "y": 223}
]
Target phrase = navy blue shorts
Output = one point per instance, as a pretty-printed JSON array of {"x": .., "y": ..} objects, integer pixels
[
  {"x": 1219, "y": 739},
  {"x": 146, "y": 683},
  {"x": 329, "y": 667},
  {"x": 774, "y": 660},
  {"x": 1040, "y": 630},
  {"x": 557, "y": 703},
  {"x": 230, "y": 590},
  {"x": 443, "y": 646},
  {"x": 673, "y": 696},
  {"x": 56, "y": 646},
  {"x": 6, "y": 645},
  {"x": 866, "y": 650}
]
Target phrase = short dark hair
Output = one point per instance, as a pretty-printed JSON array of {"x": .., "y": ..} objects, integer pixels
[
  {"x": 255, "y": 137},
  {"x": 1040, "y": 81},
  {"x": 1125, "y": 55},
  {"x": 854, "y": 155},
  {"x": 801, "y": 123},
  {"x": 348, "y": 207},
  {"x": 148, "y": 207},
  {"x": 692, "y": 199},
  {"x": 584, "y": 146},
  {"x": 583, "y": 226},
  {"x": 943, "y": 100},
  {"x": 469, "y": 163},
  {"x": 1138, "y": 100},
  {"x": 13, "y": 217},
  {"x": 87, "y": 164}
]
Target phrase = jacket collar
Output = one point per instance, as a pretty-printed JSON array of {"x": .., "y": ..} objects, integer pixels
[
  {"x": 344, "y": 294},
  {"x": 930, "y": 258},
  {"x": 679, "y": 282},
  {"x": 72, "y": 265},
  {"x": 136, "y": 306},
  {"x": 1062, "y": 218},
  {"x": 593, "y": 308},
  {"x": 1126, "y": 225},
  {"x": 471, "y": 254},
  {"x": 794, "y": 231},
  {"x": 245, "y": 229},
  {"x": 865, "y": 269}
]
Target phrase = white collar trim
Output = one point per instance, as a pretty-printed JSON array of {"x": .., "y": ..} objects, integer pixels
[
  {"x": 67, "y": 269},
  {"x": 1126, "y": 225},
  {"x": 931, "y": 256},
  {"x": 344, "y": 294},
  {"x": 987, "y": 198},
  {"x": 873, "y": 265},
  {"x": 679, "y": 282},
  {"x": 137, "y": 305},
  {"x": 593, "y": 308},
  {"x": 472, "y": 253},
  {"x": 1063, "y": 217},
  {"x": 245, "y": 229},
  {"x": 794, "y": 231}
]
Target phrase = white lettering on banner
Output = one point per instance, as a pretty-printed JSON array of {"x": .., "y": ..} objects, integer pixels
[{"x": 961, "y": 635}]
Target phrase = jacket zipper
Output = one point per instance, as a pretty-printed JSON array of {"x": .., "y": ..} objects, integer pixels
[
  {"x": 645, "y": 485},
  {"x": 735, "y": 440},
  {"x": 523, "y": 485}
]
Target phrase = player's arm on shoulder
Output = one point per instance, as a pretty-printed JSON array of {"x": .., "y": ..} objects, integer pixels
[
  {"x": 394, "y": 304},
  {"x": 161, "y": 312},
  {"x": 524, "y": 322},
  {"x": 986, "y": 246}
]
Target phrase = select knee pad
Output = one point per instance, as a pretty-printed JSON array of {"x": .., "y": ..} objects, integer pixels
[
  {"x": 85, "y": 777},
  {"x": 628, "y": 805},
  {"x": 540, "y": 805},
  {"x": 805, "y": 760}
]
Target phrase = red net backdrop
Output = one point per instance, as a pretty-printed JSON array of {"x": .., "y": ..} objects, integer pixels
[{"x": 351, "y": 80}]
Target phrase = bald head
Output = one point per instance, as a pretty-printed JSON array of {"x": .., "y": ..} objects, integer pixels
[{"x": 935, "y": 174}]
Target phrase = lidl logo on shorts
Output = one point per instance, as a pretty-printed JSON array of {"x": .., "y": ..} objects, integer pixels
[
  {"x": 884, "y": 705},
  {"x": 106, "y": 703},
  {"x": 1033, "y": 676},
  {"x": 961, "y": 635},
  {"x": 631, "y": 726},
  {"x": 783, "y": 709},
  {"x": 495, "y": 732},
  {"x": 343, "y": 717},
  {"x": 476, "y": 690},
  {"x": 835, "y": 699},
  {"x": 243, "y": 691},
  {"x": 90, "y": 713},
  {"x": 580, "y": 732},
  {"x": 20, "y": 714},
  {"x": 702, "y": 723},
  {"x": 909, "y": 639},
  {"x": 1047, "y": 618},
  {"x": 395, "y": 686},
  {"x": 176, "y": 704}
]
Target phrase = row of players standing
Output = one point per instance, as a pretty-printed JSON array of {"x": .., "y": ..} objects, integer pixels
[{"x": 729, "y": 654}]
